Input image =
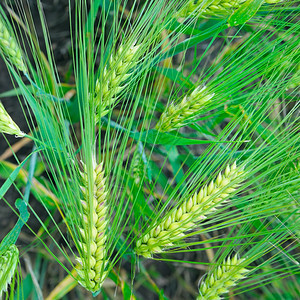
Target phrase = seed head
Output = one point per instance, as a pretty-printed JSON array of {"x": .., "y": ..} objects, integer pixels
[
  {"x": 222, "y": 278},
  {"x": 185, "y": 217},
  {"x": 212, "y": 8},
  {"x": 204, "y": 9},
  {"x": 8, "y": 264},
  {"x": 273, "y": 1},
  {"x": 114, "y": 75},
  {"x": 176, "y": 115},
  {"x": 9, "y": 47},
  {"x": 92, "y": 247},
  {"x": 7, "y": 125}
]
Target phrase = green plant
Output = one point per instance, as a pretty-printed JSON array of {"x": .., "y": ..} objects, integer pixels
[
  {"x": 175, "y": 115},
  {"x": 7, "y": 125},
  {"x": 93, "y": 248},
  {"x": 224, "y": 276},
  {"x": 8, "y": 263},
  {"x": 171, "y": 227},
  {"x": 129, "y": 144},
  {"x": 10, "y": 48}
]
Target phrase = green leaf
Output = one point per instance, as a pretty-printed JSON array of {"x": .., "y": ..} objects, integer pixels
[
  {"x": 183, "y": 28},
  {"x": 10, "y": 180},
  {"x": 175, "y": 76},
  {"x": 161, "y": 138},
  {"x": 188, "y": 43},
  {"x": 16, "y": 92},
  {"x": 21, "y": 205},
  {"x": 245, "y": 12},
  {"x": 139, "y": 202},
  {"x": 13, "y": 235},
  {"x": 175, "y": 163}
]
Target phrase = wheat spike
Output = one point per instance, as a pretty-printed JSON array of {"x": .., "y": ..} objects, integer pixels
[
  {"x": 273, "y": 1},
  {"x": 222, "y": 278},
  {"x": 138, "y": 169},
  {"x": 118, "y": 71},
  {"x": 92, "y": 248},
  {"x": 10, "y": 48},
  {"x": 209, "y": 8},
  {"x": 8, "y": 264},
  {"x": 176, "y": 115},
  {"x": 186, "y": 216},
  {"x": 7, "y": 125},
  {"x": 219, "y": 8}
]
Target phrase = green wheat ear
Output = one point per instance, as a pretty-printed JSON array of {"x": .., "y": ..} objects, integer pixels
[
  {"x": 176, "y": 115},
  {"x": 222, "y": 278},
  {"x": 185, "y": 217},
  {"x": 209, "y": 8},
  {"x": 7, "y": 125},
  {"x": 273, "y": 1},
  {"x": 201, "y": 8},
  {"x": 8, "y": 265},
  {"x": 112, "y": 82},
  {"x": 10, "y": 48},
  {"x": 92, "y": 248}
]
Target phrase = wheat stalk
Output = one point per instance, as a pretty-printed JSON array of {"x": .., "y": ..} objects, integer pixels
[
  {"x": 10, "y": 48},
  {"x": 222, "y": 278},
  {"x": 8, "y": 263},
  {"x": 186, "y": 216},
  {"x": 92, "y": 248},
  {"x": 112, "y": 82},
  {"x": 176, "y": 115},
  {"x": 7, "y": 125}
]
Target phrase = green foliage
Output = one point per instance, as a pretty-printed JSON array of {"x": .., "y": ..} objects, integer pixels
[
  {"x": 9, "y": 46},
  {"x": 8, "y": 263},
  {"x": 224, "y": 276},
  {"x": 119, "y": 191},
  {"x": 187, "y": 215},
  {"x": 7, "y": 125}
]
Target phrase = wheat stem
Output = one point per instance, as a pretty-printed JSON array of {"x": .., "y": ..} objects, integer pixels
[
  {"x": 10, "y": 48},
  {"x": 222, "y": 278},
  {"x": 176, "y": 115},
  {"x": 92, "y": 248},
  {"x": 7, "y": 125},
  {"x": 185, "y": 217},
  {"x": 8, "y": 264}
]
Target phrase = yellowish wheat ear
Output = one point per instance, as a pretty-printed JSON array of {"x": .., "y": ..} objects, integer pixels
[
  {"x": 8, "y": 264},
  {"x": 92, "y": 247},
  {"x": 10, "y": 48},
  {"x": 185, "y": 217},
  {"x": 112, "y": 82},
  {"x": 222, "y": 278},
  {"x": 176, "y": 115},
  {"x": 7, "y": 125}
]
